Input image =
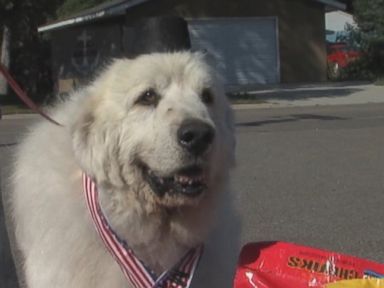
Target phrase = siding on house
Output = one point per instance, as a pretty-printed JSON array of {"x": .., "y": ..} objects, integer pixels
[
  {"x": 301, "y": 28},
  {"x": 251, "y": 55}
]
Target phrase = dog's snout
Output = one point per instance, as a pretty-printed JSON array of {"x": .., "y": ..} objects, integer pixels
[{"x": 195, "y": 136}]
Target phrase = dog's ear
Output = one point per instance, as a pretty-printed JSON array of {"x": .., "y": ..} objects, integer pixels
[
  {"x": 83, "y": 136},
  {"x": 230, "y": 125},
  {"x": 82, "y": 129},
  {"x": 95, "y": 141},
  {"x": 94, "y": 127}
]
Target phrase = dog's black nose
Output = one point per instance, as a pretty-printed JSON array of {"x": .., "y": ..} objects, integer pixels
[{"x": 195, "y": 136}]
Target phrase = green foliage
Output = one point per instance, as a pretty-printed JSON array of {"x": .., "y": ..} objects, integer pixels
[
  {"x": 359, "y": 69},
  {"x": 353, "y": 37},
  {"x": 380, "y": 81},
  {"x": 27, "y": 11},
  {"x": 70, "y": 7},
  {"x": 368, "y": 38},
  {"x": 6, "y": 7},
  {"x": 29, "y": 53},
  {"x": 369, "y": 15}
]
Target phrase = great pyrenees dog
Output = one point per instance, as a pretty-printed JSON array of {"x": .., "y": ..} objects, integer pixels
[{"x": 155, "y": 133}]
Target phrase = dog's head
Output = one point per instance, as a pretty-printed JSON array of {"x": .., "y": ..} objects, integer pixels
[{"x": 159, "y": 125}]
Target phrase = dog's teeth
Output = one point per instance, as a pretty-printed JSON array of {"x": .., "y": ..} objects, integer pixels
[
  {"x": 176, "y": 178},
  {"x": 188, "y": 179}
]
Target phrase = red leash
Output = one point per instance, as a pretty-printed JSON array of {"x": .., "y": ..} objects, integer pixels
[{"x": 23, "y": 96}]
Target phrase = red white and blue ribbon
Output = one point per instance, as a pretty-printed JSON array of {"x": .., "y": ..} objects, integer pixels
[{"x": 140, "y": 276}]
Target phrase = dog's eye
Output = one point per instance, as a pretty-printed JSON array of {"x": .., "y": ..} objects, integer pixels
[
  {"x": 207, "y": 96},
  {"x": 148, "y": 97}
]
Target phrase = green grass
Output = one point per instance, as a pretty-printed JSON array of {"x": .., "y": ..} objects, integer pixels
[
  {"x": 380, "y": 81},
  {"x": 9, "y": 109},
  {"x": 244, "y": 98}
]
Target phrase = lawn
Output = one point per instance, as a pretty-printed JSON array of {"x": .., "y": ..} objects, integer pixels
[
  {"x": 14, "y": 109},
  {"x": 244, "y": 98}
]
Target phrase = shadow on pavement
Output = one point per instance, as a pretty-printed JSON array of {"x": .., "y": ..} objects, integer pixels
[
  {"x": 8, "y": 145},
  {"x": 293, "y": 94},
  {"x": 291, "y": 118}
]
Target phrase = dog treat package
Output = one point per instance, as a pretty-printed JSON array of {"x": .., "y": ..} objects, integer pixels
[{"x": 286, "y": 265}]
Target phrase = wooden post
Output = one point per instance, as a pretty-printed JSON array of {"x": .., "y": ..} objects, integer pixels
[{"x": 5, "y": 58}]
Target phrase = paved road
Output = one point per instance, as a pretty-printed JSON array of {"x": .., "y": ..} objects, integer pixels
[
  {"x": 312, "y": 175},
  {"x": 328, "y": 93}
]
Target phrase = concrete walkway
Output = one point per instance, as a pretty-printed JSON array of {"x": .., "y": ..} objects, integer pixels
[
  {"x": 315, "y": 95},
  {"x": 292, "y": 95}
]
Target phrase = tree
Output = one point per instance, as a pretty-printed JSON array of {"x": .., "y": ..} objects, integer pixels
[
  {"x": 69, "y": 7},
  {"x": 369, "y": 15},
  {"x": 29, "y": 63},
  {"x": 29, "y": 51}
]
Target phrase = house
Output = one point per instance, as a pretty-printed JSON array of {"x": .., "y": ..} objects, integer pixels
[{"x": 251, "y": 42}]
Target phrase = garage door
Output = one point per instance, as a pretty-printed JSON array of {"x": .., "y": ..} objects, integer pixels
[{"x": 244, "y": 50}]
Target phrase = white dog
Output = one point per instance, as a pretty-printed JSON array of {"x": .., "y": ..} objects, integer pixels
[{"x": 156, "y": 136}]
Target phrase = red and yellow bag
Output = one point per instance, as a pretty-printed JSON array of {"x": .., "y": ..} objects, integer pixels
[{"x": 286, "y": 265}]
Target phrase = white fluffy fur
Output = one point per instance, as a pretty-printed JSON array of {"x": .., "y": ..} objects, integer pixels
[{"x": 104, "y": 131}]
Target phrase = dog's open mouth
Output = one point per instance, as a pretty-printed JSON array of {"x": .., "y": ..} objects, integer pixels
[{"x": 189, "y": 181}]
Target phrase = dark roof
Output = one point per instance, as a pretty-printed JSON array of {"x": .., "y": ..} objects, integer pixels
[
  {"x": 111, "y": 7},
  {"x": 333, "y": 4},
  {"x": 349, "y": 5},
  {"x": 107, "y": 9},
  {"x": 119, "y": 7}
]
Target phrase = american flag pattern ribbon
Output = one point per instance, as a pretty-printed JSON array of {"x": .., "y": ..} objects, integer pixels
[{"x": 140, "y": 276}]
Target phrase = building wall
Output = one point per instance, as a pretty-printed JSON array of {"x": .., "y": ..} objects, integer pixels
[
  {"x": 301, "y": 28},
  {"x": 80, "y": 52},
  {"x": 302, "y": 43}
]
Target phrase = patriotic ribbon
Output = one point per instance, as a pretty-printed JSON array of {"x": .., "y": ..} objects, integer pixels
[{"x": 140, "y": 276}]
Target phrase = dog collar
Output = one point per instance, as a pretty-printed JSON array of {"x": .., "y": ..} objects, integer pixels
[{"x": 136, "y": 272}]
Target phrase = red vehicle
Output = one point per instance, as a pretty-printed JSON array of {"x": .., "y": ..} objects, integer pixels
[{"x": 339, "y": 55}]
